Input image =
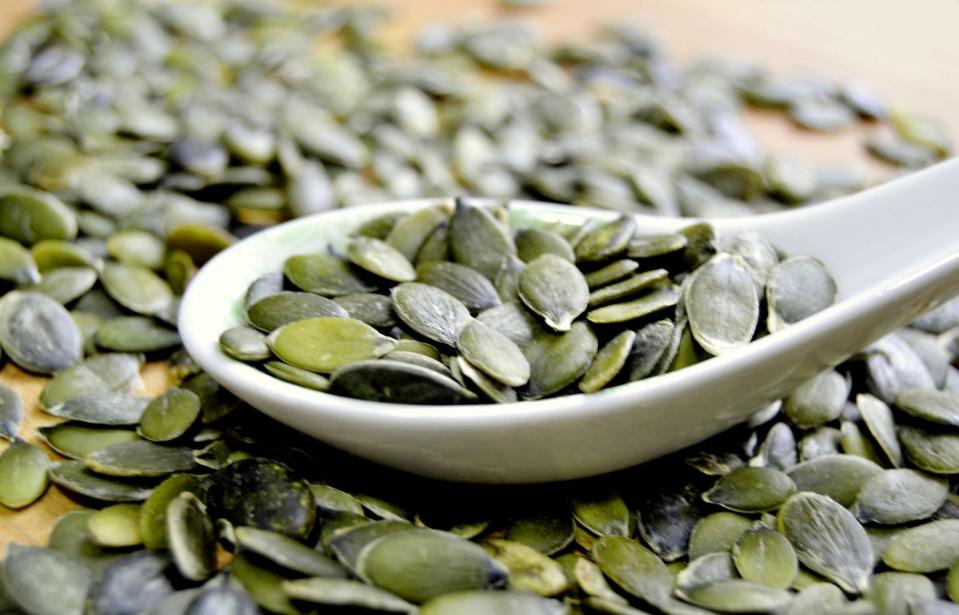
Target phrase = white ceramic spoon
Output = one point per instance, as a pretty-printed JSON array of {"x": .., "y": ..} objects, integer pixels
[{"x": 893, "y": 250}]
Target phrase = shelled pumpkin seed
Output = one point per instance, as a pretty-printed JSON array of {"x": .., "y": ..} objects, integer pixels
[{"x": 127, "y": 125}]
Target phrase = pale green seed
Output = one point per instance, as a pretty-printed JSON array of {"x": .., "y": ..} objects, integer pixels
[
  {"x": 16, "y": 263},
  {"x": 380, "y": 258},
  {"x": 140, "y": 458},
  {"x": 29, "y": 573},
  {"x": 73, "y": 475},
  {"x": 765, "y": 556},
  {"x": 630, "y": 286},
  {"x": 608, "y": 362},
  {"x": 940, "y": 407},
  {"x": 170, "y": 415},
  {"x": 478, "y": 240},
  {"x": 895, "y": 593},
  {"x": 633, "y": 568},
  {"x": 716, "y": 533},
  {"x": 263, "y": 584},
  {"x": 529, "y": 570},
  {"x": 797, "y": 288},
  {"x": 554, "y": 288},
  {"x": 37, "y": 333},
  {"x": 11, "y": 412},
  {"x": 135, "y": 334},
  {"x": 30, "y": 216},
  {"x": 493, "y": 353},
  {"x": 924, "y": 548},
  {"x": 23, "y": 474},
  {"x": 649, "y": 246},
  {"x": 607, "y": 240},
  {"x": 651, "y": 303},
  {"x": 76, "y": 440},
  {"x": 501, "y": 603},
  {"x": 65, "y": 284},
  {"x": 107, "y": 408},
  {"x": 346, "y": 593},
  {"x": 136, "y": 247},
  {"x": 274, "y": 311},
  {"x": 840, "y": 477},
  {"x": 431, "y": 312},
  {"x": 190, "y": 536},
  {"x": 136, "y": 288},
  {"x": 878, "y": 419},
  {"x": 153, "y": 513},
  {"x": 288, "y": 553},
  {"x": 325, "y": 275},
  {"x": 612, "y": 272},
  {"x": 473, "y": 290},
  {"x": 930, "y": 450},
  {"x": 751, "y": 489},
  {"x": 739, "y": 596},
  {"x": 409, "y": 233},
  {"x": 900, "y": 496},
  {"x": 298, "y": 376},
  {"x": 326, "y": 344},
  {"x": 533, "y": 243},
  {"x": 244, "y": 344},
  {"x": 495, "y": 390},
  {"x": 817, "y": 401},
  {"x": 116, "y": 526},
  {"x": 722, "y": 304},
  {"x": 557, "y": 361}
]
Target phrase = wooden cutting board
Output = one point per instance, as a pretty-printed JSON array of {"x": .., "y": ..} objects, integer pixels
[{"x": 905, "y": 51}]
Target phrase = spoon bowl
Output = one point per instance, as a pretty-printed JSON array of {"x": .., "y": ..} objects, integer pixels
[{"x": 893, "y": 251}]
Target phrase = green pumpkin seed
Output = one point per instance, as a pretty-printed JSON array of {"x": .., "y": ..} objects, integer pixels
[
  {"x": 102, "y": 408},
  {"x": 415, "y": 358},
  {"x": 374, "y": 310},
  {"x": 298, "y": 376},
  {"x": 380, "y": 258},
  {"x": 930, "y": 451},
  {"x": 633, "y": 568},
  {"x": 262, "y": 494},
  {"x": 924, "y": 131},
  {"x": 590, "y": 579},
  {"x": 51, "y": 254},
  {"x": 288, "y": 553},
  {"x": 77, "y": 440},
  {"x": 478, "y": 240},
  {"x": 74, "y": 476},
  {"x": 841, "y": 477},
  {"x": 924, "y": 548},
  {"x": 274, "y": 311},
  {"x": 140, "y": 458},
  {"x": 409, "y": 233},
  {"x": 70, "y": 536},
  {"x": 895, "y": 593},
  {"x": 170, "y": 415},
  {"x": 397, "y": 382},
  {"x": 818, "y": 400},
  {"x": 952, "y": 582},
  {"x": 11, "y": 412},
  {"x": 629, "y": 286},
  {"x": 153, "y": 512},
  {"x": 738, "y": 596},
  {"x": 797, "y": 288},
  {"x": 136, "y": 288},
  {"x": 32, "y": 216},
  {"x": 828, "y": 540},
  {"x": 716, "y": 533},
  {"x": 493, "y": 353},
  {"x": 940, "y": 407},
  {"x": 705, "y": 570},
  {"x": 215, "y": 401},
  {"x": 472, "y": 289},
  {"x": 422, "y": 564},
  {"x": 323, "y": 274},
  {"x": 29, "y": 573},
  {"x": 631, "y": 310},
  {"x": 650, "y": 348},
  {"x": 263, "y": 584},
  {"x": 37, "y": 333},
  {"x": 429, "y": 311},
  {"x": 501, "y": 603},
  {"x": 878, "y": 419},
  {"x": 135, "y": 334},
  {"x": 765, "y": 556},
  {"x": 200, "y": 241},
  {"x": 136, "y": 247},
  {"x": 722, "y": 304},
  {"x": 548, "y": 532},
  {"x": 512, "y": 320},
  {"x": 533, "y": 243},
  {"x": 613, "y": 272},
  {"x": 900, "y": 496},
  {"x": 557, "y": 361},
  {"x": 326, "y": 344},
  {"x": 495, "y": 390},
  {"x": 16, "y": 263},
  {"x": 553, "y": 288},
  {"x": 607, "y": 240},
  {"x": 608, "y": 362},
  {"x": 65, "y": 284},
  {"x": 190, "y": 536},
  {"x": 116, "y": 526},
  {"x": 751, "y": 490},
  {"x": 23, "y": 474},
  {"x": 244, "y": 344},
  {"x": 529, "y": 570},
  {"x": 347, "y": 544},
  {"x": 818, "y": 597},
  {"x": 346, "y": 593},
  {"x": 650, "y": 246}
]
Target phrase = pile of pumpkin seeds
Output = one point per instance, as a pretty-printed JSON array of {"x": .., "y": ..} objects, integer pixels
[
  {"x": 141, "y": 137},
  {"x": 392, "y": 319}
]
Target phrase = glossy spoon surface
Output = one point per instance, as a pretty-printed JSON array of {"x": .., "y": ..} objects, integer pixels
[{"x": 893, "y": 251}]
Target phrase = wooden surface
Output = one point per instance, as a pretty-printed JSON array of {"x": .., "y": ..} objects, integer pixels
[{"x": 906, "y": 51}]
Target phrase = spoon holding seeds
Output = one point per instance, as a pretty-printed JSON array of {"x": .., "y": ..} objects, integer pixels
[{"x": 884, "y": 256}]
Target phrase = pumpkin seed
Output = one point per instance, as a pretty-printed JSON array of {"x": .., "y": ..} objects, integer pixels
[
  {"x": 533, "y": 243},
  {"x": 818, "y": 597},
  {"x": 940, "y": 407},
  {"x": 274, "y": 311},
  {"x": 607, "y": 240},
  {"x": 553, "y": 288},
  {"x": 374, "y": 310},
  {"x": 608, "y": 362},
  {"x": 493, "y": 353},
  {"x": 705, "y": 570},
  {"x": 65, "y": 284},
  {"x": 136, "y": 288},
  {"x": 170, "y": 415},
  {"x": 346, "y": 593},
  {"x": 323, "y": 274},
  {"x": 380, "y": 258},
  {"x": 326, "y": 344},
  {"x": 30, "y": 216},
  {"x": 23, "y": 474},
  {"x": 878, "y": 419},
  {"x": 431, "y": 312},
  {"x": 900, "y": 496},
  {"x": 410, "y": 232},
  {"x": 296, "y": 375},
  {"x": 894, "y": 593},
  {"x": 16, "y": 263},
  {"x": 529, "y": 570},
  {"x": 631, "y": 310},
  {"x": 288, "y": 553},
  {"x": 478, "y": 240},
  {"x": 244, "y": 344},
  {"x": 751, "y": 490},
  {"x": 135, "y": 334},
  {"x": 77, "y": 440},
  {"x": 347, "y": 544},
  {"x": 140, "y": 458},
  {"x": 828, "y": 540},
  {"x": 37, "y": 333},
  {"x": 116, "y": 526},
  {"x": 930, "y": 451},
  {"x": 633, "y": 568},
  {"x": 397, "y": 382},
  {"x": 229, "y": 597},
  {"x": 818, "y": 400},
  {"x": 627, "y": 287},
  {"x": 841, "y": 477},
  {"x": 132, "y": 584},
  {"x": 11, "y": 412},
  {"x": 924, "y": 548},
  {"x": 421, "y": 564},
  {"x": 548, "y": 532},
  {"x": 716, "y": 533},
  {"x": 738, "y": 596},
  {"x": 556, "y": 361},
  {"x": 722, "y": 304},
  {"x": 30, "y": 572},
  {"x": 617, "y": 270},
  {"x": 262, "y": 494},
  {"x": 190, "y": 536},
  {"x": 472, "y": 289},
  {"x": 797, "y": 288},
  {"x": 74, "y": 476},
  {"x": 649, "y": 246},
  {"x": 764, "y": 556}
]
